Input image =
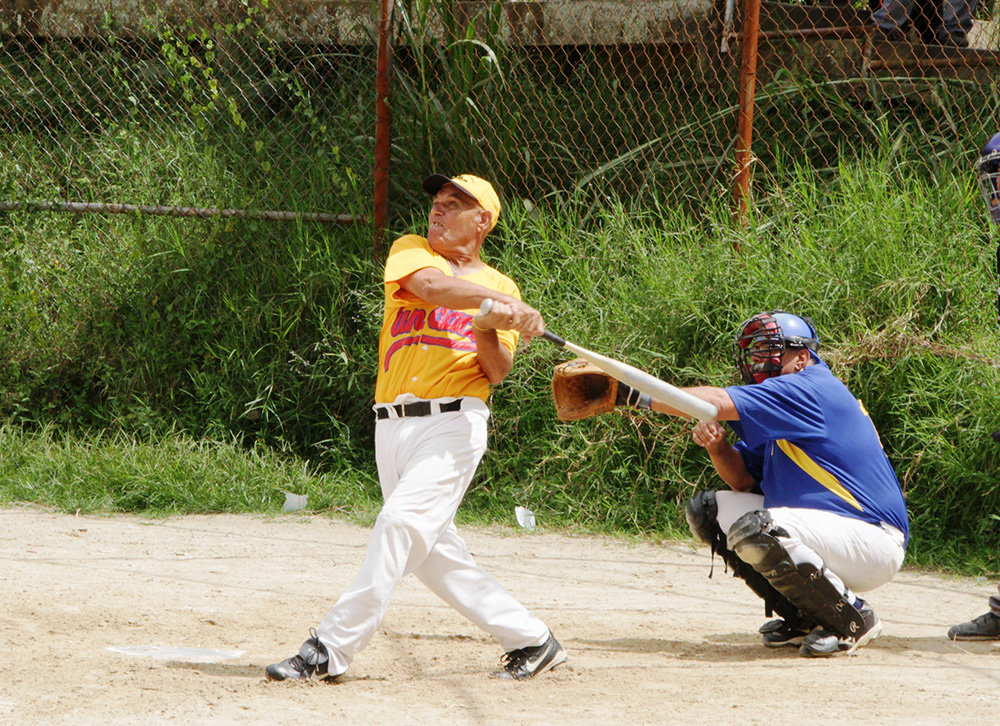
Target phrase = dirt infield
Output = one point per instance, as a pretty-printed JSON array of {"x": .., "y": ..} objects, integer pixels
[{"x": 121, "y": 620}]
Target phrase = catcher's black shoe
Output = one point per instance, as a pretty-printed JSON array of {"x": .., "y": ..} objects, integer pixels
[
  {"x": 525, "y": 663},
  {"x": 311, "y": 658},
  {"x": 985, "y": 627},
  {"x": 781, "y": 633},
  {"x": 822, "y": 643}
]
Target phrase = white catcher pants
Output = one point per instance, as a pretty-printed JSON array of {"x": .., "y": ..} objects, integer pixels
[
  {"x": 857, "y": 556},
  {"x": 425, "y": 466}
]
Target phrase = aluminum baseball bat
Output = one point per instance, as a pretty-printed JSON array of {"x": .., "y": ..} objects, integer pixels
[{"x": 632, "y": 376}]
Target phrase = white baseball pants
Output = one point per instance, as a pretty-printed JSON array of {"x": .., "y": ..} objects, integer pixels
[
  {"x": 857, "y": 556},
  {"x": 425, "y": 466}
]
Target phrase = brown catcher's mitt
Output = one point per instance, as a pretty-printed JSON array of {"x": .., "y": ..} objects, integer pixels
[{"x": 581, "y": 390}]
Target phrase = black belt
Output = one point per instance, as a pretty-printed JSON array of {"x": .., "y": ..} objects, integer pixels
[{"x": 417, "y": 408}]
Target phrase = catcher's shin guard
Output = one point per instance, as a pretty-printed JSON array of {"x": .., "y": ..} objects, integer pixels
[
  {"x": 754, "y": 538},
  {"x": 701, "y": 513}
]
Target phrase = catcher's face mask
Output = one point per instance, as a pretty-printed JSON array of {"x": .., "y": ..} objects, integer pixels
[
  {"x": 763, "y": 339},
  {"x": 989, "y": 185},
  {"x": 988, "y": 176},
  {"x": 759, "y": 346}
]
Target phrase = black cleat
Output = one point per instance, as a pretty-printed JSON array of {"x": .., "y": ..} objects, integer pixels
[
  {"x": 779, "y": 633},
  {"x": 824, "y": 643},
  {"x": 985, "y": 627},
  {"x": 525, "y": 663},
  {"x": 311, "y": 658}
]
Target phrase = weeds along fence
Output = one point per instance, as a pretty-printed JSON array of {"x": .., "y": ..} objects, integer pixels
[
  {"x": 188, "y": 198},
  {"x": 226, "y": 138},
  {"x": 654, "y": 102},
  {"x": 188, "y": 190}
]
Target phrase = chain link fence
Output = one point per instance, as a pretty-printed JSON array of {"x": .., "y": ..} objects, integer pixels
[
  {"x": 197, "y": 109},
  {"x": 250, "y": 107}
]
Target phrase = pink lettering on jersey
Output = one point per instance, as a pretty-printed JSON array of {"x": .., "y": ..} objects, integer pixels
[
  {"x": 443, "y": 319},
  {"x": 399, "y": 344},
  {"x": 451, "y": 321},
  {"x": 418, "y": 319},
  {"x": 407, "y": 321}
]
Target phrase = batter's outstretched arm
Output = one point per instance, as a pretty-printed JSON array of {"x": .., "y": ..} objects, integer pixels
[
  {"x": 495, "y": 360},
  {"x": 433, "y": 286},
  {"x": 437, "y": 288}
]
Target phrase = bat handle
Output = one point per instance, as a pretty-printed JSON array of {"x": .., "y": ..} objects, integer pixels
[
  {"x": 485, "y": 306},
  {"x": 553, "y": 338}
]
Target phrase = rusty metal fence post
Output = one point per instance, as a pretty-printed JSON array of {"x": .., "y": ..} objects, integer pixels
[
  {"x": 383, "y": 126},
  {"x": 744, "y": 132}
]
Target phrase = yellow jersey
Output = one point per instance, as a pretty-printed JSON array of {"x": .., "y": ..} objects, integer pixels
[{"x": 426, "y": 350}]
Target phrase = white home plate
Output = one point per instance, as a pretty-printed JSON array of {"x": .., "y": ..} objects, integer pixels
[{"x": 167, "y": 652}]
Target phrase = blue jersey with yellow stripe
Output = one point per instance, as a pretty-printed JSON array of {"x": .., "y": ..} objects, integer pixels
[{"x": 810, "y": 444}]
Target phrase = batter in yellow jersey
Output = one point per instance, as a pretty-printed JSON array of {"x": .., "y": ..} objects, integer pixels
[
  {"x": 437, "y": 361},
  {"x": 425, "y": 349}
]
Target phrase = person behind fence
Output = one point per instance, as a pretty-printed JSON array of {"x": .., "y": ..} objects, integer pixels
[
  {"x": 814, "y": 514},
  {"x": 435, "y": 367},
  {"x": 951, "y": 23},
  {"x": 987, "y": 625}
]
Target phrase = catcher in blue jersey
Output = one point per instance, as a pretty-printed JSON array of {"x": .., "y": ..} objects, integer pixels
[{"x": 815, "y": 514}]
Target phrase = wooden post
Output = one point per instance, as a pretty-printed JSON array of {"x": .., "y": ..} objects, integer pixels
[
  {"x": 748, "y": 87},
  {"x": 383, "y": 123}
]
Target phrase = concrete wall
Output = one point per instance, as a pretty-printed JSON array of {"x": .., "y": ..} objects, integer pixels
[
  {"x": 985, "y": 35},
  {"x": 541, "y": 22}
]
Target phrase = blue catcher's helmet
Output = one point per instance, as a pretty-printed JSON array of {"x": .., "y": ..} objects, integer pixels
[
  {"x": 763, "y": 339},
  {"x": 988, "y": 174}
]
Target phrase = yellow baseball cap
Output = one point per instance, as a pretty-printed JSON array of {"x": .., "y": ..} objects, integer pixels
[{"x": 479, "y": 189}]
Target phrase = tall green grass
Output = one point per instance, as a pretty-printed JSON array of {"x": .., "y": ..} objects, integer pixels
[
  {"x": 168, "y": 365},
  {"x": 162, "y": 334},
  {"x": 893, "y": 263},
  {"x": 166, "y": 474},
  {"x": 223, "y": 339}
]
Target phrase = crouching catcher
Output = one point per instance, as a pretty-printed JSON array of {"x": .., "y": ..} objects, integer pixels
[{"x": 815, "y": 514}]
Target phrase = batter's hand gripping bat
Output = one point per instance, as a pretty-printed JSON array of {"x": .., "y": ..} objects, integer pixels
[{"x": 631, "y": 376}]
